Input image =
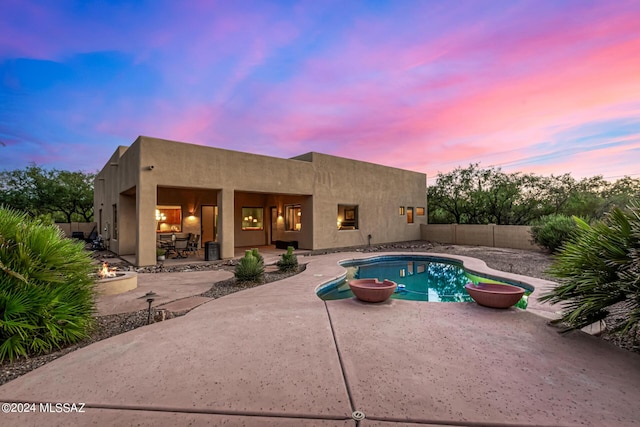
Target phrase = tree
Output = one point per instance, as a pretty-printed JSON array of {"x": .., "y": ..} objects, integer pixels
[
  {"x": 67, "y": 196},
  {"x": 449, "y": 198},
  {"x": 621, "y": 194},
  {"x": 474, "y": 195},
  {"x": 481, "y": 196}
]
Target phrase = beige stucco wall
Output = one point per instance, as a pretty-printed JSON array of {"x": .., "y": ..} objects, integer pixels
[
  {"x": 231, "y": 180},
  {"x": 500, "y": 236},
  {"x": 377, "y": 190},
  {"x": 69, "y": 227}
]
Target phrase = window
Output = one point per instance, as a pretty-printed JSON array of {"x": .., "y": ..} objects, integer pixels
[
  {"x": 420, "y": 211},
  {"x": 115, "y": 222},
  {"x": 292, "y": 218},
  {"x": 252, "y": 219},
  {"x": 409, "y": 215},
  {"x": 347, "y": 217},
  {"x": 401, "y": 210},
  {"x": 168, "y": 219}
]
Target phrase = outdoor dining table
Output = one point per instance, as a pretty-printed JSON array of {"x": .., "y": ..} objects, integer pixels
[{"x": 177, "y": 246}]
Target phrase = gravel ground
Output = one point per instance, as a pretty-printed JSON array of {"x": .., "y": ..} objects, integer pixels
[{"x": 528, "y": 263}]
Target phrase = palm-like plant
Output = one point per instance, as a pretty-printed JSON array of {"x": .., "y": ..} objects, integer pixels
[
  {"x": 46, "y": 290},
  {"x": 598, "y": 267}
]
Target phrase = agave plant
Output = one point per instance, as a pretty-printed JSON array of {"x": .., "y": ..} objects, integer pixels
[
  {"x": 598, "y": 267},
  {"x": 250, "y": 268},
  {"x": 46, "y": 291},
  {"x": 289, "y": 261}
]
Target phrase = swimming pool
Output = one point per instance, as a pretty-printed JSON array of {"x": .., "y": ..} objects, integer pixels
[{"x": 419, "y": 278}]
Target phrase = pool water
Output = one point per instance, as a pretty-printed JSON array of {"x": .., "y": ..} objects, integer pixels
[{"x": 418, "y": 279}]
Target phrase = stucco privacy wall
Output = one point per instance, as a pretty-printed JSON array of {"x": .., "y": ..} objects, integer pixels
[
  {"x": 499, "y": 236},
  {"x": 136, "y": 177},
  {"x": 69, "y": 227}
]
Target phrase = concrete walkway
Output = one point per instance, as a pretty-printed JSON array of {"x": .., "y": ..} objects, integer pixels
[
  {"x": 168, "y": 287},
  {"x": 277, "y": 355}
]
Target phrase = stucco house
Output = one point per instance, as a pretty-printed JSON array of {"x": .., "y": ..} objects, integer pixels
[{"x": 156, "y": 186}]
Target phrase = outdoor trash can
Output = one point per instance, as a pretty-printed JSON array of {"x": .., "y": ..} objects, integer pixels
[{"x": 211, "y": 251}]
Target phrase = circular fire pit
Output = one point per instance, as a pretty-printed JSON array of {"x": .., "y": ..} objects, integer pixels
[
  {"x": 370, "y": 290},
  {"x": 494, "y": 295},
  {"x": 111, "y": 282},
  {"x": 122, "y": 282}
]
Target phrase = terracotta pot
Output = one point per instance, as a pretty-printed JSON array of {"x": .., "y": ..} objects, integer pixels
[
  {"x": 494, "y": 295},
  {"x": 370, "y": 290}
]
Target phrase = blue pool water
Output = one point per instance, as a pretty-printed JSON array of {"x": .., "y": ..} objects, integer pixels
[{"x": 419, "y": 278}]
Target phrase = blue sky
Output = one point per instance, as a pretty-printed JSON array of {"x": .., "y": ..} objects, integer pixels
[{"x": 536, "y": 86}]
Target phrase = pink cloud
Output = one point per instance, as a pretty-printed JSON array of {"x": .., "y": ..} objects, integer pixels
[{"x": 497, "y": 113}]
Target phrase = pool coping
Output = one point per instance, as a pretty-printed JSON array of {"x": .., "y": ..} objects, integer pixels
[{"x": 470, "y": 264}]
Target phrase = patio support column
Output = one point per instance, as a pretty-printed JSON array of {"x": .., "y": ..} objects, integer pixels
[
  {"x": 226, "y": 222},
  {"x": 146, "y": 232}
]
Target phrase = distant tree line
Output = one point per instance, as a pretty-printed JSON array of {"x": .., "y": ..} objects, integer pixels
[
  {"x": 59, "y": 195},
  {"x": 475, "y": 195}
]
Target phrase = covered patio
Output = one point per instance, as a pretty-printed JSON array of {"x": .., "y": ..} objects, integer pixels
[{"x": 158, "y": 187}]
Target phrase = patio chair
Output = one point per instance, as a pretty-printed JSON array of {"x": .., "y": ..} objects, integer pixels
[
  {"x": 194, "y": 244},
  {"x": 181, "y": 245}
]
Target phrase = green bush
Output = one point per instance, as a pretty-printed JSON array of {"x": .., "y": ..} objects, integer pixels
[
  {"x": 250, "y": 268},
  {"x": 257, "y": 254},
  {"x": 552, "y": 231},
  {"x": 289, "y": 261},
  {"x": 598, "y": 267},
  {"x": 46, "y": 290}
]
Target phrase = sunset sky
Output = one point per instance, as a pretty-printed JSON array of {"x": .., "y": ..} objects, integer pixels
[{"x": 548, "y": 87}]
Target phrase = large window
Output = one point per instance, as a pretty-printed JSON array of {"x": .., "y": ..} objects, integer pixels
[
  {"x": 292, "y": 217},
  {"x": 168, "y": 219},
  {"x": 252, "y": 219},
  {"x": 347, "y": 217}
]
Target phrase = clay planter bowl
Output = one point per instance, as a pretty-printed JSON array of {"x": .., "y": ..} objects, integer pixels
[
  {"x": 370, "y": 290},
  {"x": 494, "y": 295}
]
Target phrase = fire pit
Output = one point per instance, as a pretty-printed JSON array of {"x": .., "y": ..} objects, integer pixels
[{"x": 112, "y": 282}]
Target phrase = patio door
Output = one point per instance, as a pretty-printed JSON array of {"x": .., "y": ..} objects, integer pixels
[{"x": 209, "y": 215}]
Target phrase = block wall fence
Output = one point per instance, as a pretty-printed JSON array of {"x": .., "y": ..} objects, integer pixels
[
  {"x": 499, "y": 236},
  {"x": 68, "y": 228}
]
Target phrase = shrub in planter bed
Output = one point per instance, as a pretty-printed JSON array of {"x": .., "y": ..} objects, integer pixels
[{"x": 46, "y": 287}]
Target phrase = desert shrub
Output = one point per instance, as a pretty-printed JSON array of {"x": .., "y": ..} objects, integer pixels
[
  {"x": 598, "y": 267},
  {"x": 257, "y": 254},
  {"x": 552, "y": 231},
  {"x": 46, "y": 290},
  {"x": 249, "y": 268},
  {"x": 289, "y": 261}
]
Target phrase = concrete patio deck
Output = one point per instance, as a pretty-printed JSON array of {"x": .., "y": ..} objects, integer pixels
[{"x": 277, "y": 355}]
